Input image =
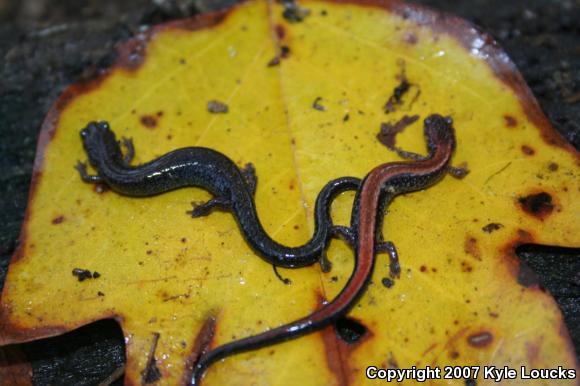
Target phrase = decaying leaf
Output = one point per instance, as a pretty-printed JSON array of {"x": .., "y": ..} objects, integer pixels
[{"x": 305, "y": 100}]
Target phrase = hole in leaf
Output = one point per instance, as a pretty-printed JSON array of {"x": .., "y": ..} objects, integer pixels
[
  {"x": 86, "y": 356},
  {"x": 349, "y": 330}
]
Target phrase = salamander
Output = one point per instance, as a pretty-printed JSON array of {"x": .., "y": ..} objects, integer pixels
[
  {"x": 378, "y": 188},
  {"x": 211, "y": 170}
]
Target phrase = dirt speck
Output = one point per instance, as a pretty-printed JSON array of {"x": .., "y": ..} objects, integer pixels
[
  {"x": 149, "y": 121},
  {"x": 58, "y": 220},
  {"x": 217, "y": 107}
]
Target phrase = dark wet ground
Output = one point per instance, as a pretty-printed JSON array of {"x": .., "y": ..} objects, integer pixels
[{"x": 46, "y": 45}]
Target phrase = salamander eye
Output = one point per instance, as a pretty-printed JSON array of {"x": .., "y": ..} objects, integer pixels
[
  {"x": 449, "y": 120},
  {"x": 103, "y": 125},
  {"x": 84, "y": 133}
]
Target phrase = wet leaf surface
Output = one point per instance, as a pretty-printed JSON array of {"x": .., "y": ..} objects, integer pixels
[{"x": 312, "y": 116}]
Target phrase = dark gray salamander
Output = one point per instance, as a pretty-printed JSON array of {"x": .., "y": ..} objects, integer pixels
[{"x": 208, "y": 169}]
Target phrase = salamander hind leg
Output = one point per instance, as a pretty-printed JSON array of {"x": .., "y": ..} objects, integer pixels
[
  {"x": 249, "y": 173},
  {"x": 458, "y": 172},
  {"x": 394, "y": 265},
  {"x": 81, "y": 167},
  {"x": 130, "y": 150},
  {"x": 201, "y": 209},
  {"x": 336, "y": 231},
  {"x": 344, "y": 233},
  {"x": 325, "y": 264}
]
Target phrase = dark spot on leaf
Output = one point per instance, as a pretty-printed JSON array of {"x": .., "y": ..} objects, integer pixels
[
  {"x": 470, "y": 382},
  {"x": 316, "y": 104},
  {"x": 466, "y": 267},
  {"x": 149, "y": 121},
  {"x": 346, "y": 117},
  {"x": 392, "y": 361},
  {"x": 527, "y": 150},
  {"x": 82, "y": 274},
  {"x": 96, "y": 275},
  {"x": 284, "y": 52},
  {"x": 396, "y": 98},
  {"x": 293, "y": 13},
  {"x": 481, "y": 339},
  {"x": 217, "y": 107},
  {"x": 280, "y": 31},
  {"x": 510, "y": 121},
  {"x": 454, "y": 354},
  {"x": 349, "y": 330},
  {"x": 58, "y": 220},
  {"x": 492, "y": 226},
  {"x": 100, "y": 293},
  {"x": 471, "y": 247},
  {"x": 388, "y": 283},
  {"x": 539, "y": 205},
  {"x": 553, "y": 166},
  {"x": 423, "y": 268},
  {"x": 274, "y": 61}
]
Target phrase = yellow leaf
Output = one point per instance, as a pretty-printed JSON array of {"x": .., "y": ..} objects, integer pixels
[{"x": 305, "y": 103}]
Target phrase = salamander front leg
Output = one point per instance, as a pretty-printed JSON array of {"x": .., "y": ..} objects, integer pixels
[
  {"x": 249, "y": 173},
  {"x": 81, "y": 167},
  {"x": 394, "y": 265},
  {"x": 201, "y": 209},
  {"x": 409, "y": 155},
  {"x": 130, "y": 150}
]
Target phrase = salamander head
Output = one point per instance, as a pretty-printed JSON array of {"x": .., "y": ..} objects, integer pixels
[
  {"x": 99, "y": 142},
  {"x": 439, "y": 132}
]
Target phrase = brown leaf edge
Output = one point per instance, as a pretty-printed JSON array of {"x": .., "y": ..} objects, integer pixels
[{"x": 132, "y": 53}]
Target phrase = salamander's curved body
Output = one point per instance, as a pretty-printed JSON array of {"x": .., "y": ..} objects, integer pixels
[
  {"x": 379, "y": 187},
  {"x": 211, "y": 170}
]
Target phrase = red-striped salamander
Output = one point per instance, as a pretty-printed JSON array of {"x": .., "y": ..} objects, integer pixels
[
  {"x": 206, "y": 168},
  {"x": 380, "y": 186}
]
